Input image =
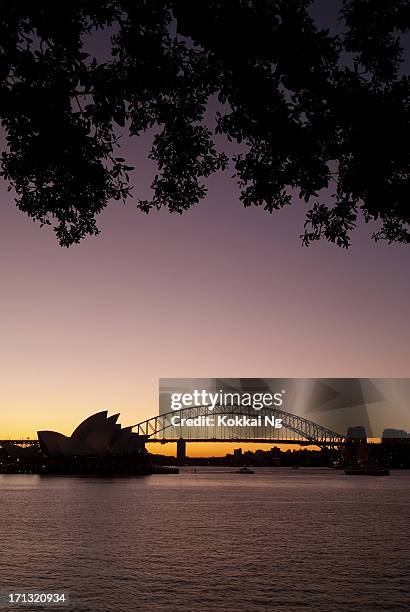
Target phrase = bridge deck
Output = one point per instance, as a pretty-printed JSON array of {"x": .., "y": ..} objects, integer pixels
[
  {"x": 227, "y": 440},
  {"x": 242, "y": 440}
]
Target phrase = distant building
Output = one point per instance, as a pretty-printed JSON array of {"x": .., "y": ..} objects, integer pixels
[
  {"x": 98, "y": 435},
  {"x": 356, "y": 433},
  {"x": 395, "y": 448},
  {"x": 395, "y": 434},
  {"x": 357, "y": 450},
  {"x": 237, "y": 455},
  {"x": 260, "y": 457}
]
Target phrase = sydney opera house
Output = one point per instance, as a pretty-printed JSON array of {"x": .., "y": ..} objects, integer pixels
[
  {"x": 99, "y": 435},
  {"x": 99, "y": 446}
]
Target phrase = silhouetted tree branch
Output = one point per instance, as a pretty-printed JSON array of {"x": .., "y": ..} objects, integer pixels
[{"x": 310, "y": 109}]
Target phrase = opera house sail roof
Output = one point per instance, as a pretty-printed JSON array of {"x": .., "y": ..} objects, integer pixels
[{"x": 97, "y": 435}]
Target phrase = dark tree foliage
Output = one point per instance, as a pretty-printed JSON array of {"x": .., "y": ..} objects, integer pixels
[{"x": 311, "y": 111}]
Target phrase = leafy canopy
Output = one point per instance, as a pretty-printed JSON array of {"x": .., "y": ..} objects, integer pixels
[{"x": 311, "y": 111}]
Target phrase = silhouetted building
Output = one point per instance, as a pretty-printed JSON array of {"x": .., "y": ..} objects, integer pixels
[
  {"x": 357, "y": 451},
  {"x": 238, "y": 456},
  {"x": 275, "y": 454},
  {"x": 260, "y": 456},
  {"x": 390, "y": 434},
  {"x": 394, "y": 449},
  {"x": 356, "y": 433}
]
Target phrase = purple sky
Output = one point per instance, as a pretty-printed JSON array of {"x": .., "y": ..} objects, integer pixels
[{"x": 221, "y": 291}]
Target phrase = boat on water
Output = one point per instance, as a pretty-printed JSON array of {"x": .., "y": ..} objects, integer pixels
[
  {"x": 367, "y": 470},
  {"x": 244, "y": 470}
]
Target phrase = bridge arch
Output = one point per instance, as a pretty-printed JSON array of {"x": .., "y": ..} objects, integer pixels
[{"x": 294, "y": 430}]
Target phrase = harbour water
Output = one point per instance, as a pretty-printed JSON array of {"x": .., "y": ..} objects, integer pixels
[{"x": 280, "y": 539}]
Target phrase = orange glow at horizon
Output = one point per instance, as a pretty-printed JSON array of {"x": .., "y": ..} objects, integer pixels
[
  {"x": 221, "y": 290},
  {"x": 218, "y": 449}
]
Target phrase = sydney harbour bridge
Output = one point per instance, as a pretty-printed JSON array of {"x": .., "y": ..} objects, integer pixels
[
  {"x": 268, "y": 425},
  {"x": 199, "y": 424}
]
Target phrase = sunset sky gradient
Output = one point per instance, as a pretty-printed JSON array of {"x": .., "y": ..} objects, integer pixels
[{"x": 220, "y": 291}]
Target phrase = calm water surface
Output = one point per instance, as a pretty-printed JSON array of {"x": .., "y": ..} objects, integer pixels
[{"x": 280, "y": 539}]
